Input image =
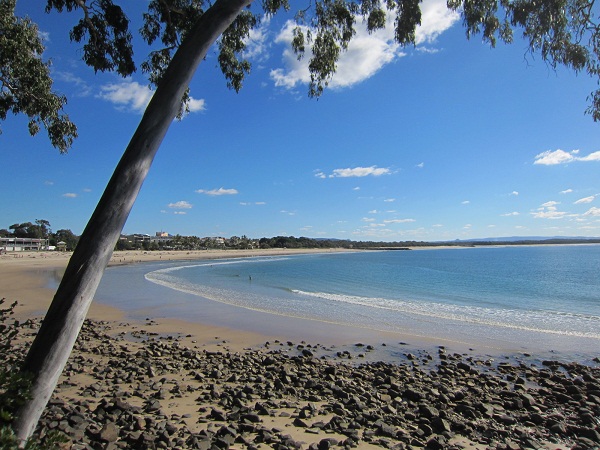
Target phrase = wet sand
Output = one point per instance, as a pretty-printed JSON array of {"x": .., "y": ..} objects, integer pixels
[{"x": 28, "y": 278}]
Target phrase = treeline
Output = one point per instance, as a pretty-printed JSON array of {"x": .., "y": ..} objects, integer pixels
[
  {"x": 40, "y": 229},
  {"x": 304, "y": 242}
]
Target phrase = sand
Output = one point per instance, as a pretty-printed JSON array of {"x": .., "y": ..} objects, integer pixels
[
  {"x": 98, "y": 371},
  {"x": 24, "y": 277}
]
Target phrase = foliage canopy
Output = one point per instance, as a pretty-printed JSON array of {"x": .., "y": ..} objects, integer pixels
[{"x": 26, "y": 82}]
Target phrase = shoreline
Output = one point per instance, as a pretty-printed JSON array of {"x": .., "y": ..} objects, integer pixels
[
  {"x": 27, "y": 277},
  {"x": 168, "y": 383},
  {"x": 31, "y": 278}
]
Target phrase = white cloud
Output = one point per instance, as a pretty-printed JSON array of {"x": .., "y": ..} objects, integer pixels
[
  {"x": 548, "y": 210},
  {"x": 589, "y": 199},
  {"x": 182, "y": 204},
  {"x": 44, "y": 35},
  {"x": 360, "y": 172},
  {"x": 69, "y": 195},
  {"x": 593, "y": 211},
  {"x": 180, "y": 213},
  {"x": 550, "y": 204},
  {"x": 256, "y": 43},
  {"x": 435, "y": 19},
  {"x": 466, "y": 202},
  {"x": 515, "y": 193},
  {"x": 356, "y": 188},
  {"x": 421, "y": 165},
  {"x": 196, "y": 105},
  {"x": 514, "y": 213},
  {"x": 367, "y": 52},
  {"x": 368, "y": 219},
  {"x": 220, "y": 191},
  {"x": 130, "y": 95},
  {"x": 550, "y": 158},
  {"x": 320, "y": 174},
  {"x": 551, "y": 214},
  {"x": 49, "y": 183},
  {"x": 595, "y": 156},
  {"x": 399, "y": 221},
  {"x": 83, "y": 89},
  {"x": 373, "y": 211},
  {"x": 566, "y": 191},
  {"x": 429, "y": 50},
  {"x": 251, "y": 204},
  {"x": 390, "y": 200}
]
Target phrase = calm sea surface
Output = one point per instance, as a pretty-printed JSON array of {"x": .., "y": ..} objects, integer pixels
[{"x": 523, "y": 298}]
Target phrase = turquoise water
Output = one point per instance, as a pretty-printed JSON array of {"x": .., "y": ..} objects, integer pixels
[{"x": 539, "y": 297}]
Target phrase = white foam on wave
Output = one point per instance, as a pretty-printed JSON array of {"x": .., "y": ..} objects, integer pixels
[
  {"x": 561, "y": 323},
  {"x": 541, "y": 321},
  {"x": 240, "y": 299},
  {"x": 156, "y": 274}
]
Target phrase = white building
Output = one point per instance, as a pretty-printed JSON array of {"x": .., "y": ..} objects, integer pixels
[{"x": 13, "y": 244}]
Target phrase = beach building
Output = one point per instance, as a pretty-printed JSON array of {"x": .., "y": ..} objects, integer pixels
[
  {"x": 162, "y": 236},
  {"x": 15, "y": 244},
  {"x": 139, "y": 239}
]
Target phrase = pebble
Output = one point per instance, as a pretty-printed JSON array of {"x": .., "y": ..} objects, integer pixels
[{"x": 352, "y": 402}]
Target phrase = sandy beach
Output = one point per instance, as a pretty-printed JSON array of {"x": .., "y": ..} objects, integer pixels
[
  {"x": 25, "y": 278},
  {"x": 168, "y": 383}
]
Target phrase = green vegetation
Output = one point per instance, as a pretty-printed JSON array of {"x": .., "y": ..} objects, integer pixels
[
  {"x": 40, "y": 229},
  {"x": 26, "y": 81},
  {"x": 14, "y": 386}
]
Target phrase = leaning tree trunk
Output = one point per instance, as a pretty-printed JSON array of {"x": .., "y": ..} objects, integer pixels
[{"x": 54, "y": 342}]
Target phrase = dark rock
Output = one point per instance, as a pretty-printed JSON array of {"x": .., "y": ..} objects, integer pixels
[
  {"x": 300, "y": 423},
  {"x": 505, "y": 419},
  {"x": 386, "y": 430},
  {"x": 440, "y": 425},
  {"x": 325, "y": 444},
  {"x": 413, "y": 394},
  {"x": 109, "y": 432},
  {"x": 437, "y": 443},
  {"x": 253, "y": 418}
]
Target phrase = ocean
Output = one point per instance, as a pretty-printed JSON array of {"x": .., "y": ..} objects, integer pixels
[{"x": 521, "y": 298}]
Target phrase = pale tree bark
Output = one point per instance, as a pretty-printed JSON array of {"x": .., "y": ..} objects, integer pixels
[{"x": 56, "y": 337}]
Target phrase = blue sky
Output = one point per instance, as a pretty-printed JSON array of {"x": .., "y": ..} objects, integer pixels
[{"x": 447, "y": 140}]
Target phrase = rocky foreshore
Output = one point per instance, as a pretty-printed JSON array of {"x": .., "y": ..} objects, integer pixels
[{"x": 144, "y": 391}]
